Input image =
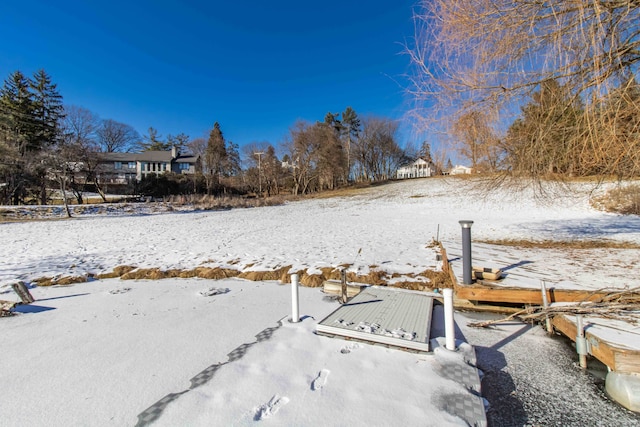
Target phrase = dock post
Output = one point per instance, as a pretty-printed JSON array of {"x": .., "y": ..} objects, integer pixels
[
  {"x": 466, "y": 251},
  {"x": 449, "y": 325},
  {"x": 295, "y": 301},
  {"x": 23, "y": 292},
  {"x": 545, "y": 305},
  {"x": 343, "y": 288},
  {"x": 581, "y": 342}
]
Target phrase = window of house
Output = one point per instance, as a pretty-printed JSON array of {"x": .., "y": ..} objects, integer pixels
[
  {"x": 184, "y": 166},
  {"x": 117, "y": 165},
  {"x": 132, "y": 165}
]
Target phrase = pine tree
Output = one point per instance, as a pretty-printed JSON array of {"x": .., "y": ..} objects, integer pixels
[
  {"x": 351, "y": 131},
  {"x": 179, "y": 141},
  {"x": 215, "y": 157},
  {"x": 425, "y": 152},
  {"x": 48, "y": 111},
  {"x": 153, "y": 142},
  {"x": 17, "y": 113}
]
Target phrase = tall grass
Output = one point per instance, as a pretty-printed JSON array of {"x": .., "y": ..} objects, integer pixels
[{"x": 623, "y": 200}]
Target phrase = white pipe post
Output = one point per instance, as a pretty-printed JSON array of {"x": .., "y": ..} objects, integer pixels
[
  {"x": 581, "y": 342},
  {"x": 295, "y": 301},
  {"x": 449, "y": 326}
]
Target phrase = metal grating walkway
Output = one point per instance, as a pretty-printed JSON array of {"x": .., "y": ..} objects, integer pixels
[{"x": 390, "y": 316}]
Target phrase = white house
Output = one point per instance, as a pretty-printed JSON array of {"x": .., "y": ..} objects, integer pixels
[
  {"x": 419, "y": 168},
  {"x": 460, "y": 170}
]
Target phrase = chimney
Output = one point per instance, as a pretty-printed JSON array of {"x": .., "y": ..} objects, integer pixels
[{"x": 174, "y": 152}]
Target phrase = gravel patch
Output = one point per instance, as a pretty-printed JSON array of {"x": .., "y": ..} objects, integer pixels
[{"x": 531, "y": 379}]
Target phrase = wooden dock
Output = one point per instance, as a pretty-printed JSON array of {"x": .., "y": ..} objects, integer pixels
[
  {"x": 614, "y": 343},
  {"x": 521, "y": 282}
]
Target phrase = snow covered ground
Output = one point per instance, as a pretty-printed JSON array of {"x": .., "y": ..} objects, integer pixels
[
  {"x": 102, "y": 352},
  {"x": 388, "y": 228}
]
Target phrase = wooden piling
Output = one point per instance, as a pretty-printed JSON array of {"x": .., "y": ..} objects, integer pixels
[{"x": 23, "y": 292}]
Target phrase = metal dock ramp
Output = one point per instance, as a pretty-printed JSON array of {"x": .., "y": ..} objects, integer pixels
[{"x": 389, "y": 316}]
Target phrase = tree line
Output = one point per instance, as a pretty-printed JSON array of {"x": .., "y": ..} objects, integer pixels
[
  {"x": 533, "y": 89},
  {"x": 45, "y": 144}
]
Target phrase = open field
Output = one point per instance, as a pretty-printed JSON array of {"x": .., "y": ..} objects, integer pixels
[{"x": 102, "y": 352}]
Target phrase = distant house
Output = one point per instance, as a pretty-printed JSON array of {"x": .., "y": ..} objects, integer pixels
[
  {"x": 125, "y": 168},
  {"x": 419, "y": 168},
  {"x": 460, "y": 170}
]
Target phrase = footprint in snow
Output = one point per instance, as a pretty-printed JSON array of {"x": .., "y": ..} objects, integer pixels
[
  {"x": 119, "y": 291},
  {"x": 349, "y": 348},
  {"x": 214, "y": 291},
  {"x": 320, "y": 380},
  {"x": 271, "y": 407}
]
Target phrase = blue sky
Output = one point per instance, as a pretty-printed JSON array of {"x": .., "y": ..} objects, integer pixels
[{"x": 179, "y": 66}]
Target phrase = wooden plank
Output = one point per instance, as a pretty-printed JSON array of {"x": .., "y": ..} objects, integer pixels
[
  {"x": 617, "y": 359},
  {"x": 23, "y": 292},
  {"x": 335, "y": 287},
  {"x": 523, "y": 295},
  {"x": 463, "y": 304}
]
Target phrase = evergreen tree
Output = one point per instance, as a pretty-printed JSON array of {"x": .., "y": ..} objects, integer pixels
[
  {"x": 333, "y": 120},
  {"x": 153, "y": 142},
  {"x": 425, "y": 152},
  {"x": 17, "y": 113},
  {"x": 215, "y": 158},
  {"x": 351, "y": 131},
  {"x": 179, "y": 141},
  {"x": 351, "y": 123},
  {"x": 47, "y": 109},
  {"x": 546, "y": 138},
  {"x": 232, "y": 163},
  {"x": 30, "y": 116}
]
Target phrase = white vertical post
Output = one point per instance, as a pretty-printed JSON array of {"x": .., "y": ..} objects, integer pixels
[
  {"x": 449, "y": 326},
  {"x": 581, "y": 342},
  {"x": 295, "y": 301}
]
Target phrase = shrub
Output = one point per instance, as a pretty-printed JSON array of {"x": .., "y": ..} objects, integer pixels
[{"x": 623, "y": 200}]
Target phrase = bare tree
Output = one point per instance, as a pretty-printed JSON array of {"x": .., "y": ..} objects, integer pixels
[
  {"x": 377, "y": 153},
  {"x": 114, "y": 136},
  {"x": 331, "y": 158},
  {"x": 79, "y": 123},
  {"x": 494, "y": 54},
  {"x": 75, "y": 159},
  {"x": 302, "y": 147},
  {"x": 273, "y": 171},
  {"x": 478, "y": 141}
]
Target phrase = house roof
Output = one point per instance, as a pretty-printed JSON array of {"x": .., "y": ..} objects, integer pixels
[
  {"x": 415, "y": 161},
  {"x": 154, "y": 156},
  {"x": 148, "y": 156},
  {"x": 188, "y": 158},
  {"x": 118, "y": 157}
]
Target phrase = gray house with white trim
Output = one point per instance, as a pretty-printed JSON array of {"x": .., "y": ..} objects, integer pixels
[{"x": 125, "y": 168}]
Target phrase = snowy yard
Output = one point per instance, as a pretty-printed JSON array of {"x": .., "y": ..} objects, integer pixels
[{"x": 102, "y": 352}]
